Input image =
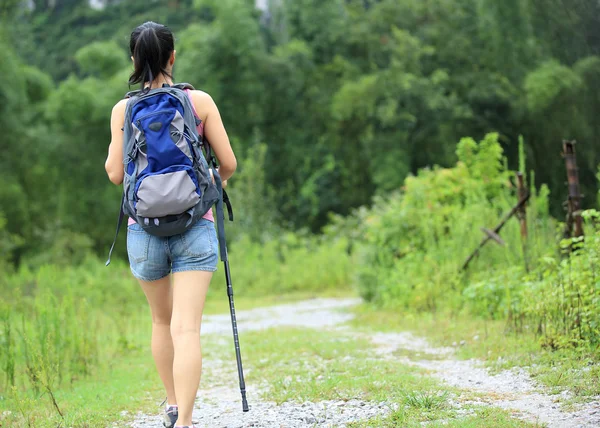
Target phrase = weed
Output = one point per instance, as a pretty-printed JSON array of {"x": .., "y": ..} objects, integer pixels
[{"x": 426, "y": 400}]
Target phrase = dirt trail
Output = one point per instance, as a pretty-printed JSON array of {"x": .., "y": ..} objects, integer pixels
[{"x": 218, "y": 401}]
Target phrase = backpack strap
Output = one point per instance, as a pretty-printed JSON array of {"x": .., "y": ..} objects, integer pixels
[
  {"x": 221, "y": 216},
  {"x": 127, "y": 96},
  {"x": 227, "y": 203},
  {"x": 121, "y": 215},
  {"x": 183, "y": 86},
  {"x": 132, "y": 94}
]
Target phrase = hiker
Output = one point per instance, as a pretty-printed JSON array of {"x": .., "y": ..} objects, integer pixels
[{"x": 174, "y": 271}]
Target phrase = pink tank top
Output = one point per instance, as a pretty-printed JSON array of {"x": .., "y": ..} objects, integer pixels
[{"x": 209, "y": 214}]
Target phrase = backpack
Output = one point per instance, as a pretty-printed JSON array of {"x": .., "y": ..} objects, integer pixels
[{"x": 167, "y": 186}]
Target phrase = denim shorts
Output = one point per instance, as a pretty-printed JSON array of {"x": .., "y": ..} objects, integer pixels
[{"x": 154, "y": 257}]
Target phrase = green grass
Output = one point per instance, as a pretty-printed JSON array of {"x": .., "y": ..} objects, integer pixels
[
  {"x": 294, "y": 364},
  {"x": 577, "y": 370},
  {"x": 426, "y": 400},
  {"x": 489, "y": 417},
  {"x": 126, "y": 379},
  {"x": 125, "y": 384},
  {"x": 129, "y": 383},
  {"x": 481, "y": 417},
  {"x": 305, "y": 365}
]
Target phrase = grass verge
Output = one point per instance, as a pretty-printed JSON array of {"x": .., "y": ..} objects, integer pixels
[
  {"x": 478, "y": 418},
  {"x": 126, "y": 383}
]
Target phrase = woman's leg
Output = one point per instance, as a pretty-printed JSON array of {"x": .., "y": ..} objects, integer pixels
[
  {"x": 160, "y": 297},
  {"x": 189, "y": 293}
]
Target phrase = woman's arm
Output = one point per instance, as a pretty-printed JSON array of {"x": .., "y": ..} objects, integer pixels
[
  {"x": 114, "y": 161},
  {"x": 215, "y": 133}
]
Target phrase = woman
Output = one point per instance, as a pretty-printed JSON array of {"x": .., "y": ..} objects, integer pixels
[{"x": 176, "y": 301}]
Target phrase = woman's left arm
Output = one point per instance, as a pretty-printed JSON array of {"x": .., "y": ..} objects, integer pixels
[{"x": 114, "y": 161}]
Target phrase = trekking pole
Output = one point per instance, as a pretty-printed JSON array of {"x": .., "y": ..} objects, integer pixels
[
  {"x": 225, "y": 260},
  {"x": 235, "y": 336}
]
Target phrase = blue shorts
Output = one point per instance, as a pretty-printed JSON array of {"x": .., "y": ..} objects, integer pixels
[{"x": 154, "y": 257}]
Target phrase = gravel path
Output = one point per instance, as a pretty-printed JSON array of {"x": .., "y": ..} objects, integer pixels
[
  {"x": 509, "y": 389},
  {"x": 218, "y": 402}
]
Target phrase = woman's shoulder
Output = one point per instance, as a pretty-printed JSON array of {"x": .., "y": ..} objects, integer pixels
[
  {"x": 203, "y": 103},
  {"x": 201, "y": 96},
  {"x": 118, "y": 111},
  {"x": 120, "y": 106}
]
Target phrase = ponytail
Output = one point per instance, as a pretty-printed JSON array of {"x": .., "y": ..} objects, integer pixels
[{"x": 151, "y": 46}]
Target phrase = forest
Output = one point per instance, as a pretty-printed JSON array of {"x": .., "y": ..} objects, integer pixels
[
  {"x": 348, "y": 98},
  {"x": 374, "y": 139}
]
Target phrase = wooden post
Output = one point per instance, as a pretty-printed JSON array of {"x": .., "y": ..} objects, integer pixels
[
  {"x": 522, "y": 216},
  {"x": 522, "y": 212},
  {"x": 574, "y": 226}
]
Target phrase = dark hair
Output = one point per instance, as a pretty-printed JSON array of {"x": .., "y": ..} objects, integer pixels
[{"x": 151, "y": 46}]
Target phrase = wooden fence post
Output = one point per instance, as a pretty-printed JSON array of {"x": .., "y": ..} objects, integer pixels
[
  {"x": 522, "y": 216},
  {"x": 574, "y": 224}
]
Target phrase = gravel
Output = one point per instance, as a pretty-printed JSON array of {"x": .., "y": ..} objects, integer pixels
[
  {"x": 218, "y": 403},
  {"x": 316, "y": 313},
  {"x": 223, "y": 409}
]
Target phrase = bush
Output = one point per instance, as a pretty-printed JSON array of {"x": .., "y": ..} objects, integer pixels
[
  {"x": 48, "y": 316},
  {"x": 411, "y": 248},
  {"x": 415, "y": 242}
]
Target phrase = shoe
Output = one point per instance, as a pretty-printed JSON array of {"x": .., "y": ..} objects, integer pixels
[{"x": 171, "y": 414}]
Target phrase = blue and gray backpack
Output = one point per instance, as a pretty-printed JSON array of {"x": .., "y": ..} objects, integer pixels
[{"x": 167, "y": 186}]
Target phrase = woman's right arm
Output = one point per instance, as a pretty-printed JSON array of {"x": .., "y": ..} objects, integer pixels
[{"x": 215, "y": 133}]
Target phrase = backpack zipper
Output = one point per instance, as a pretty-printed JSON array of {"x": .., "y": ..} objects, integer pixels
[{"x": 139, "y": 119}]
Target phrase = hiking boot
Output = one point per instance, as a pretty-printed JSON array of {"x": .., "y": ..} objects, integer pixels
[{"x": 171, "y": 414}]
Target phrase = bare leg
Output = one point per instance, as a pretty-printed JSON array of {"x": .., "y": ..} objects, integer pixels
[
  {"x": 160, "y": 297},
  {"x": 189, "y": 293}
]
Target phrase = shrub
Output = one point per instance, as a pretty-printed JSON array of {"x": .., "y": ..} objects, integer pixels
[{"x": 411, "y": 246}]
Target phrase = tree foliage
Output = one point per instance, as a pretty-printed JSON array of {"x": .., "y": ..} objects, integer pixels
[{"x": 340, "y": 100}]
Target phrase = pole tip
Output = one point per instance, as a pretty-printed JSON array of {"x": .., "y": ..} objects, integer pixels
[{"x": 245, "y": 406}]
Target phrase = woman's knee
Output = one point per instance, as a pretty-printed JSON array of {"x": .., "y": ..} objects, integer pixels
[
  {"x": 161, "y": 315},
  {"x": 180, "y": 328},
  {"x": 161, "y": 320}
]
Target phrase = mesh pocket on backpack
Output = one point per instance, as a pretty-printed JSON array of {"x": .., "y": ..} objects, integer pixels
[{"x": 167, "y": 192}]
